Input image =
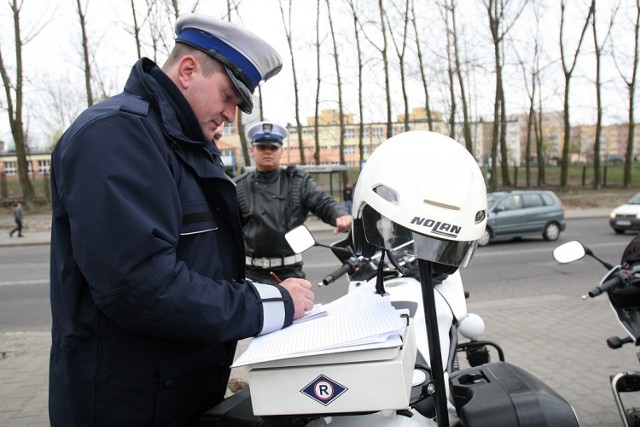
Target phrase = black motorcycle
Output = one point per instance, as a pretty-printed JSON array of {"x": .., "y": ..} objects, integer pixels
[{"x": 621, "y": 284}]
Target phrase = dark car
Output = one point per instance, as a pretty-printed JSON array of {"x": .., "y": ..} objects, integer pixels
[
  {"x": 514, "y": 214},
  {"x": 626, "y": 217},
  {"x": 615, "y": 160}
]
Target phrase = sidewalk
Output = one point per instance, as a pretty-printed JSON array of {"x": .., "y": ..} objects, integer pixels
[{"x": 24, "y": 356}]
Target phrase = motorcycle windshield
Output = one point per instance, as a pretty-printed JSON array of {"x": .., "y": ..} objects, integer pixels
[
  {"x": 383, "y": 233},
  {"x": 631, "y": 253}
]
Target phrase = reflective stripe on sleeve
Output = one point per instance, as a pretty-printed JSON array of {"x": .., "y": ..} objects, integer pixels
[{"x": 272, "y": 307}]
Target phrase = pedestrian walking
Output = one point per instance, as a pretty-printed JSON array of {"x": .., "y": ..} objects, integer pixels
[
  {"x": 17, "y": 216},
  {"x": 347, "y": 196}
]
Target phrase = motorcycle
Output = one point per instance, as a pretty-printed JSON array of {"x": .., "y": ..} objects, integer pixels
[
  {"x": 442, "y": 392},
  {"x": 621, "y": 284}
]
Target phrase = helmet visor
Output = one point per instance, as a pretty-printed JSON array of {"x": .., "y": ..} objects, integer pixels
[{"x": 383, "y": 233}]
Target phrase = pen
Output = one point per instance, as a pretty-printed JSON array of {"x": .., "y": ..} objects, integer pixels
[{"x": 275, "y": 277}]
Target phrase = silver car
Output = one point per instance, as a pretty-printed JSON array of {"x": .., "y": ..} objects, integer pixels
[{"x": 513, "y": 214}]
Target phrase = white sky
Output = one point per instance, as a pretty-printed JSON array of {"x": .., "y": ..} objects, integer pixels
[{"x": 52, "y": 57}]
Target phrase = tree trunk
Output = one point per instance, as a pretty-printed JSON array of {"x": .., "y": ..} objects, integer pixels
[
  {"x": 385, "y": 63},
  {"x": 316, "y": 125},
  {"x": 14, "y": 92},
  {"x": 597, "y": 180},
  {"x": 286, "y": 22},
  {"x": 631, "y": 85},
  {"x": 338, "y": 82},
  {"x": 568, "y": 71},
  {"x": 356, "y": 31},
  {"x": 85, "y": 54},
  {"x": 423, "y": 77},
  {"x": 466, "y": 125}
]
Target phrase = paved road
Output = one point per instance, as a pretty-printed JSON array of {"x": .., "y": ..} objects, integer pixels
[{"x": 551, "y": 335}]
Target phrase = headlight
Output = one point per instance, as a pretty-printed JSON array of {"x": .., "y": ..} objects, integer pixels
[{"x": 612, "y": 215}]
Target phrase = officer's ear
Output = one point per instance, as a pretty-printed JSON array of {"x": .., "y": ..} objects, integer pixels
[{"x": 187, "y": 66}]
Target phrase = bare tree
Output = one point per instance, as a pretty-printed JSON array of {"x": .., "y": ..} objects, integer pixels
[
  {"x": 156, "y": 24},
  {"x": 466, "y": 125},
  {"x": 568, "y": 71},
  {"x": 336, "y": 60},
  {"x": 14, "y": 97},
  {"x": 173, "y": 5},
  {"x": 244, "y": 143},
  {"x": 385, "y": 64},
  {"x": 401, "y": 49},
  {"x": 531, "y": 117},
  {"x": 450, "y": 72},
  {"x": 286, "y": 23},
  {"x": 82, "y": 18},
  {"x": 137, "y": 27},
  {"x": 356, "y": 30},
  {"x": 542, "y": 180},
  {"x": 631, "y": 89},
  {"x": 531, "y": 74},
  {"x": 596, "y": 144},
  {"x": 383, "y": 49},
  {"x": 423, "y": 77},
  {"x": 162, "y": 17},
  {"x": 535, "y": 120},
  {"x": 599, "y": 47},
  {"x": 500, "y": 22},
  {"x": 316, "y": 124},
  {"x": 63, "y": 101}
]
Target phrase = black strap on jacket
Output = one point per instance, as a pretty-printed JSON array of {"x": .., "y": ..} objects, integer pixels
[{"x": 285, "y": 189}]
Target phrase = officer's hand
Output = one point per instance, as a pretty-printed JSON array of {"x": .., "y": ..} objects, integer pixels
[
  {"x": 343, "y": 224},
  {"x": 301, "y": 294}
]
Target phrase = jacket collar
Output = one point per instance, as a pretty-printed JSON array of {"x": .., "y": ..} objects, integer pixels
[
  {"x": 151, "y": 83},
  {"x": 268, "y": 176}
]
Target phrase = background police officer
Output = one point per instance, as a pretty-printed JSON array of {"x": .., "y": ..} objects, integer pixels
[{"x": 275, "y": 200}]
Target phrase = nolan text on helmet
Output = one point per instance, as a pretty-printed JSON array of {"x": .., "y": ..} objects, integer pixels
[{"x": 438, "y": 227}]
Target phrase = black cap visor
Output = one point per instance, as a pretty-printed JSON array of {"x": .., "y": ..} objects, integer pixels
[
  {"x": 268, "y": 141},
  {"x": 247, "y": 98}
]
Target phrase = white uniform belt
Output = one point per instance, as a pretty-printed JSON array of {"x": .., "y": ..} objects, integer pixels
[{"x": 265, "y": 262}]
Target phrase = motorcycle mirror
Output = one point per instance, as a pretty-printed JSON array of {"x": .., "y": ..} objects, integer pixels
[
  {"x": 569, "y": 252},
  {"x": 300, "y": 239}
]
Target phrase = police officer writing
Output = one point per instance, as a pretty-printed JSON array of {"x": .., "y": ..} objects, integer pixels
[
  {"x": 148, "y": 289},
  {"x": 275, "y": 200}
]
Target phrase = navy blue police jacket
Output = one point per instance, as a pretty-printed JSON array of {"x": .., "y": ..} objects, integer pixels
[{"x": 148, "y": 295}]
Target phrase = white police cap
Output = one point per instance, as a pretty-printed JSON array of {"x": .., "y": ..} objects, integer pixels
[
  {"x": 247, "y": 58},
  {"x": 267, "y": 133}
]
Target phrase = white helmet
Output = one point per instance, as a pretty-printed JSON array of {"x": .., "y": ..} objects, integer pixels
[{"x": 425, "y": 187}]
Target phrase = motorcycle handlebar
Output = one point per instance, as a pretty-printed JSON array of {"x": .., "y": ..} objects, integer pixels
[
  {"x": 347, "y": 268},
  {"x": 615, "y": 282}
]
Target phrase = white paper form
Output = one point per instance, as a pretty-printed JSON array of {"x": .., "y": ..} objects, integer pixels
[
  {"x": 358, "y": 318},
  {"x": 317, "y": 311}
]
